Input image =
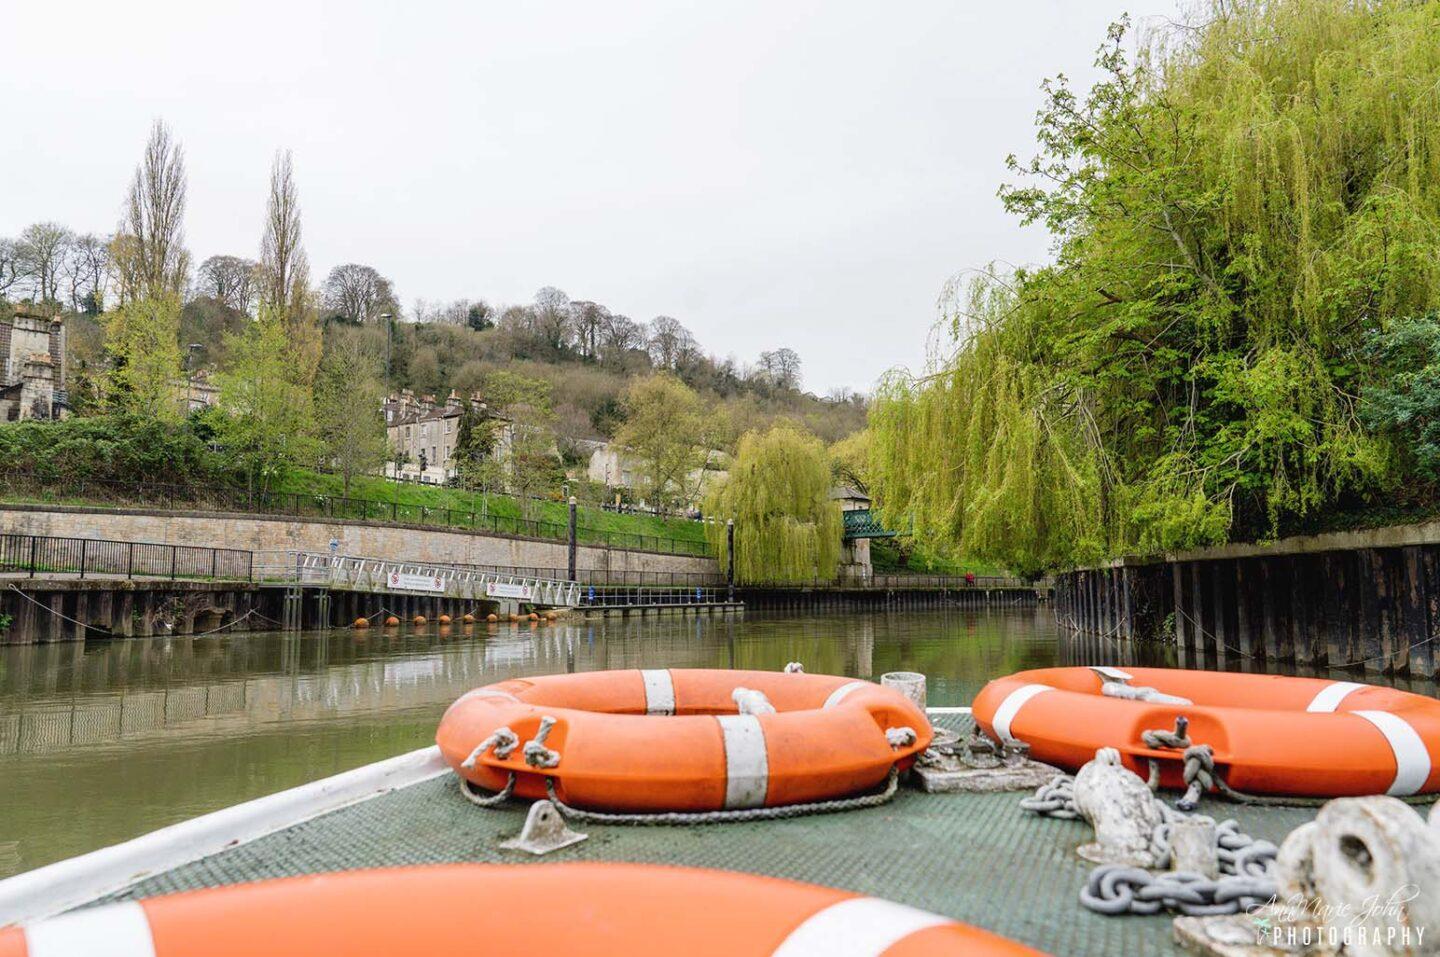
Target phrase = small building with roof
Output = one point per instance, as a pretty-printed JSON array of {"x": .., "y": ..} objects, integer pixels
[{"x": 32, "y": 367}]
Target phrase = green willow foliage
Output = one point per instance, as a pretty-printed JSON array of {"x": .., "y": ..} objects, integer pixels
[
  {"x": 1233, "y": 210},
  {"x": 787, "y": 528}
]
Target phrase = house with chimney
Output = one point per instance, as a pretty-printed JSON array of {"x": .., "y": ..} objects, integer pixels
[
  {"x": 32, "y": 367},
  {"x": 423, "y": 433}
]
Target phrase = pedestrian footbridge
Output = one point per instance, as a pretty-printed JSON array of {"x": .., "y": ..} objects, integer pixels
[{"x": 438, "y": 579}]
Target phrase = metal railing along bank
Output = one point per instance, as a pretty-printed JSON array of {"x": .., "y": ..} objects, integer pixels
[
  {"x": 641, "y": 596},
  {"x": 901, "y": 582},
  {"x": 22, "y": 487},
  {"x": 43, "y": 554}
]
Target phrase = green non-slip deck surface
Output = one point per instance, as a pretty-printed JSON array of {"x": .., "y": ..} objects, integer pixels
[{"x": 976, "y": 858}]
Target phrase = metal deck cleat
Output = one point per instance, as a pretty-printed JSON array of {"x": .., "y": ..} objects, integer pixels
[{"x": 544, "y": 831}]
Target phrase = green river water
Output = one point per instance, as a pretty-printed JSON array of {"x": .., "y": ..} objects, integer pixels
[{"x": 103, "y": 741}]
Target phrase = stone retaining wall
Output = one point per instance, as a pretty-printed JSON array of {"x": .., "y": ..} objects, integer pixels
[{"x": 270, "y": 533}]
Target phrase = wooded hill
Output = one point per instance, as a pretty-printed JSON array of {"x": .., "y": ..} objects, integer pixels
[{"x": 579, "y": 353}]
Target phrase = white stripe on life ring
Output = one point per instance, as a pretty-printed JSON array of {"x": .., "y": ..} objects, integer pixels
[
  {"x": 859, "y": 927},
  {"x": 117, "y": 930},
  {"x": 747, "y": 767},
  {"x": 1011, "y": 706},
  {"x": 659, "y": 692},
  {"x": 1331, "y": 695},
  {"x": 1412, "y": 759},
  {"x": 838, "y": 695},
  {"x": 489, "y": 693}
]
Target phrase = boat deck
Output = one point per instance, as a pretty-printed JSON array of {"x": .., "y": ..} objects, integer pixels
[{"x": 976, "y": 858}]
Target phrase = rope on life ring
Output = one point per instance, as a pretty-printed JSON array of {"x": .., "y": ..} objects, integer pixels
[
  {"x": 492, "y": 800},
  {"x": 1201, "y": 776},
  {"x": 779, "y": 812}
]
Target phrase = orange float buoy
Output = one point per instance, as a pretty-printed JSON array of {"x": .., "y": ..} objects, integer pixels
[
  {"x": 1271, "y": 734},
  {"x": 514, "y": 617},
  {"x": 418, "y": 620},
  {"x": 600, "y": 910},
  {"x": 492, "y": 617},
  {"x": 468, "y": 619},
  {"x": 553, "y": 616},
  {"x": 392, "y": 622},
  {"x": 689, "y": 749},
  {"x": 362, "y": 622},
  {"x": 444, "y": 619},
  {"x": 534, "y": 617}
]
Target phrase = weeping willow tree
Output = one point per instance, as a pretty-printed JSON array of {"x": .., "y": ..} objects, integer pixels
[
  {"x": 1234, "y": 207},
  {"x": 787, "y": 528}
]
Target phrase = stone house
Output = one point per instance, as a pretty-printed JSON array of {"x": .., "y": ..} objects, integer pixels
[
  {"x": 614, "y": 466},
  {"x": 32, "y": 367},
  {"x": 422, "y": 433}
]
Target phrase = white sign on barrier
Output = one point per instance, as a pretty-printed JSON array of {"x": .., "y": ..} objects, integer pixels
[
  {"x": 507, "y": 590},
  {"x": 416, "y": 582}
]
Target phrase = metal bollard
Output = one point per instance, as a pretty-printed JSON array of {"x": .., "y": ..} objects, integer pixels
[
  {"x": 1194, "y": 846},
  {"x": 909, "y": 683}
]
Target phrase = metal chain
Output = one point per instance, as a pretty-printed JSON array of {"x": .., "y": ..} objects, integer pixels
[
  {"x": 1245, "y": 863},
  {"x": 726, "y": 817},
  {"x": 1114, "y": 889},
  {"x": 1056, "y": 799}
]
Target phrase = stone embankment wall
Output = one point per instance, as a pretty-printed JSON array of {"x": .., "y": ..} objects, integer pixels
[
  {"x": 270, "y": 533},
  {"x": 1361, "y": 600}
]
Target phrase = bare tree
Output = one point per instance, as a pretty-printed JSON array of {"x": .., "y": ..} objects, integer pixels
[
  {"x": 285, "y": 270},
  {"x": 357, "y": 293},
  {"x": 10, "y": 275},
  {"x": 42, "y": 250},
  {"x": 87, "y": 272},
  {"x": 233, "y": 281},
  {"x": 620, "y": 336},
  {"x": 149, "y": 249},
  {"x": 551, "y": 318},
  {"x": 670, "y": 343},
  {"x": 588, "y": 319},
  {"x": 781, "y": 367}
]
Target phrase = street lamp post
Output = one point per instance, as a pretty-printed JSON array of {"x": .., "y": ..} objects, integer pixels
[
  {"x": 389, "y": 337},
  {"x": 193, "y": 348}
]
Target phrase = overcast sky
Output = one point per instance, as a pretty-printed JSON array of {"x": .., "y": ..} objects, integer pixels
[{"x": 796, "y": 173}]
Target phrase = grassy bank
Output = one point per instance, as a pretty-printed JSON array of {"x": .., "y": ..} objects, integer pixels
[{"x": 305, "y": 482}]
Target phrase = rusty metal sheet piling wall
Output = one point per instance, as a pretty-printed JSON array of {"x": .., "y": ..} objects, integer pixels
[{"x": 1374, "y": 609}]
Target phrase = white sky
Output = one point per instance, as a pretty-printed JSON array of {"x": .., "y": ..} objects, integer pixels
[{"x": 798, "y": 174}]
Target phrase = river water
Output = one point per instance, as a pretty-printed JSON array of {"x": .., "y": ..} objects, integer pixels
[{"x": 103, "y": 741}]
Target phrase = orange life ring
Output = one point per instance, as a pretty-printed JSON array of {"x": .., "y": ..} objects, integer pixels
[
  {"x": 1271, "y": 734},
  {"x": 673, "y": 740},
  {"x": 584, "y": 910}
]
